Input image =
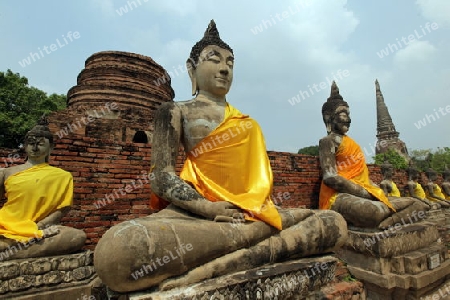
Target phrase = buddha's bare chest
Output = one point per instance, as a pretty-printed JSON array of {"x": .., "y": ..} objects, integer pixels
[{"x": 196, "y": 129}]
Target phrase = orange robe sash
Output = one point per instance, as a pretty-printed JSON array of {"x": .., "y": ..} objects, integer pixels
[
  {"x": 351, "y": 165},
  {"x": 231, "y": 164}
]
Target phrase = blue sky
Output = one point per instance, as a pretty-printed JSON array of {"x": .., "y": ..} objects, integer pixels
[{"x": 283, "y": 51}]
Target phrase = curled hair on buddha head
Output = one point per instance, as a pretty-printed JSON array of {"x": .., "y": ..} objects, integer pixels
[
  {"x": 211, "y": 37},
  {"x": 386, "y": 166},
  {"x": 329, "y": 107},
  {"x": 446, "y": 172},
  {"x": 412, "y": 170},
  {"x": 430, "y": 172},
  {"x": 40, "y": 130}
]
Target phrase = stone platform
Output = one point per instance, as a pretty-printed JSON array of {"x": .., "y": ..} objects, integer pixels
[
  {"x": 295, "y": 279},
  {"x": 406, "y": 263},
  {"x": 57, "y": 277}
]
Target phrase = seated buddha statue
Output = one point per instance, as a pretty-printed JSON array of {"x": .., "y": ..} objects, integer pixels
[
  {"x": 219, "y": 206},
  {"x": 387, "y": 185},
  {"x": 346, "y": 186},
  {"x": 415, "y": 189},
  {"x": 37, "y": 197},
  {"x": 433, "y": 191},
  {"x": 446, "y": 183}
]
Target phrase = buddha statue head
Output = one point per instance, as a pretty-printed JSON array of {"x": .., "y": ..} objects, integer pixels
[
  {"x": 431, "y": 174},
  {"x": 413, "y": 173},
  {"x": 446, "y": 174},
  {"x": 38, "y": 141},
  {"x": 387, "y": 169},
  {"x": 210, "y": 64},
  {"x": 336, "y": 112}
]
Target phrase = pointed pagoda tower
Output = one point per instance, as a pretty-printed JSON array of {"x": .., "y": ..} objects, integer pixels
[{"x": 386, "y": 134}]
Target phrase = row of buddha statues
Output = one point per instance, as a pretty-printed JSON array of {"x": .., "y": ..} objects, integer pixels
[
  {"x": 431, "y": 193},
  {"x": 218, "y": 206}
]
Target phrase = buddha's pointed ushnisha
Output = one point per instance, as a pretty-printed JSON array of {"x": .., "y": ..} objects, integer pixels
[{"x": 211, "y": 37}]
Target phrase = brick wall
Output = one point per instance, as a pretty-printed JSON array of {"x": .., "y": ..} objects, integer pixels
[{"x": 101, "y": 167}]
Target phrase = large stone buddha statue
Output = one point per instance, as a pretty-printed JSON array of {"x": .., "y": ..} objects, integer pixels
[
  {"x": 37, "y": 197},
  {"x": 346, "y": 187},
  {"x": 216, "y": 216}
]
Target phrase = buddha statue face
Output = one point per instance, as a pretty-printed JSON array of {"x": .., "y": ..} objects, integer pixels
[
  {"x": 413, "y": 174},
  {"x": 431, "y": 174},
  {"x": 446, "y": 174},
  {"x": 38, "y": 148},
  {"x": 340, "y": 120},
  {"x": 214, "y": 71},
  {"x": 387, "y": 172}
]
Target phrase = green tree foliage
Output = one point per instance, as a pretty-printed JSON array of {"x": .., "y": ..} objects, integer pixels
[
  {"x": 310, "y": 150},
  {"x": 21, "y": 106},
  {"x": 421, "y": 158},
  {"x": 395, "y": 159},
  {"x": 440, "y": 158},
  {"x": 424, "y": 159}
]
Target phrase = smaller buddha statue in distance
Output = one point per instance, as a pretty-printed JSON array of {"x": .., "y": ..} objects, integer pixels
[
  {"x": 346, "y": 187},
  {"x": 446, "y": 183},
  {"x": 432, "y": 190},
  {"x": 415, "y": 189},
  {"x": 37, "y": 197},
  {"x": 387, "y": 184}
]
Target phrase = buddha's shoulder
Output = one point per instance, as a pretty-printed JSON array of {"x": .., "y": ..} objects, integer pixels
[
  {"x": 12, "y": 170},
  {"x": 331, "y": 139},
  {"x": 174, "y": 107}
]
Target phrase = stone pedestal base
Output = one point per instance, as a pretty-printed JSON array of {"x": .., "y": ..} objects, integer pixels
[
  {"x": 293, "y": 280},
  {"x": 57, "y": 277},
  {"x": 398, "y": 287},
  {"x": 398, "y": 264},
  {"x": 394, "y": 241}
]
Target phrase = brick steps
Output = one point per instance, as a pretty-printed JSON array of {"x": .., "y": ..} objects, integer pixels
[{"x": 343, "y": 287}]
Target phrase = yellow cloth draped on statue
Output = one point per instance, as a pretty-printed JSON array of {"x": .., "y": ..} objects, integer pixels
[
  {"x": 231, "y": 164},
  {"x": 32, "y": 195},
  {"x": 350, "y": 164},
  {"x": 395, "y": 192},
  {"x": 437, "y": 191},
  {"x": 419, "y": 191}
]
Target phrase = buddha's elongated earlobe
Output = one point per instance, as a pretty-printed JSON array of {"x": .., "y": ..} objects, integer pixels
[
  {"x": 191, "y": 70},
  {"x": 328, "y": 127}
]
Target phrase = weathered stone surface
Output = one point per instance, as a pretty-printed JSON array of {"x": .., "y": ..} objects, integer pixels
[
  {"x": 68, "y": 276},
  {"x": 9, "y": 270},
  {"x": 4, "y": 287},
  {"x": 69, "y": 263},
  {"x": 35, "y": 267},
  {"x": 38, "y": 281},
  {"x": 82, "y": 272},
  {"x": 390, "y": 243},
  {"x": 53, "y": 277},
  {"x": 32, "y": 276},
  {"x": 378, "y": 265},
  {"x": 412, "y": 262},
  {"x": 406, "y": 281},
  {"x": 21, "y": 283},
  {"x": 289, "y": 280},
  {"x": 388, "y": 137},
  {"x": 89, "y": 255},
  {"x": 80, "y": 292}
]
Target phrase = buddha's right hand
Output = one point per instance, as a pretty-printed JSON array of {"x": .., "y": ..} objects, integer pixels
[
  {"x": 223, "y": 211},
  {"x": 50, "y": 231}
]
